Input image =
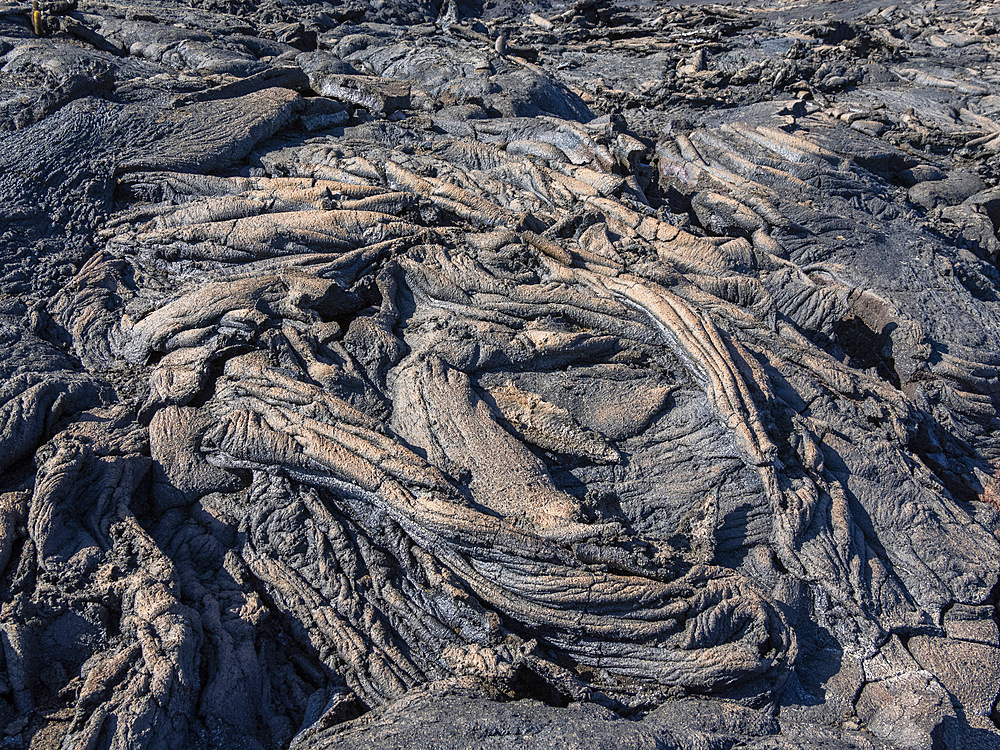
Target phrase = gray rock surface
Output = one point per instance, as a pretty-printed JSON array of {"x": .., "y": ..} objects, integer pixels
[{"x": 499, "y": 375}]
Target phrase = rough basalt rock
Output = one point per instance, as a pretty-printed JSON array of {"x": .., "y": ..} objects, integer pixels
[{"x": 461, "y": 375}]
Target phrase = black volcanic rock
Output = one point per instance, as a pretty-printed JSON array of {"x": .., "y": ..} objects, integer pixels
[{"x": 477, "y": 375}]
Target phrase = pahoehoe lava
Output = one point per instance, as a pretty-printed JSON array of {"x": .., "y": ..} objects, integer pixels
[{"x": 455, "y": 374}]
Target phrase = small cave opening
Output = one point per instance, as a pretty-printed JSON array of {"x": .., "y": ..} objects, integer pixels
[{"x": 867, "y": 349}]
